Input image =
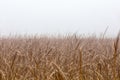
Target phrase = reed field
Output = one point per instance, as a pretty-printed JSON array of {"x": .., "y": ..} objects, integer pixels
[{"x": 59, "y": 58}]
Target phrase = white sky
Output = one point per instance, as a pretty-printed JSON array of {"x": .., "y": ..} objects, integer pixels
[{"x": 59, "y": 16}]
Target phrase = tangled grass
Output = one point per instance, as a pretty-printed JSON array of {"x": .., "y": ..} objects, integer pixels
[{"x": 65, "y": 58}]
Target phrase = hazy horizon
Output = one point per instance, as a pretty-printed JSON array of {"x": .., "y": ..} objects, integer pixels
[{"x": 59, "y": 16}]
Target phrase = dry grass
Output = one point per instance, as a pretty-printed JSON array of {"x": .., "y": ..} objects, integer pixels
[{"x": 63, "y": 58}]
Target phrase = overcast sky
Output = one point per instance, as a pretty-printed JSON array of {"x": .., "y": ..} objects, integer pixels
[{"x": 59, "y": 16}]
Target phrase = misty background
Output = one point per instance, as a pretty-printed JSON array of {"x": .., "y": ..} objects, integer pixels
[{"x": 59, "y": 16}]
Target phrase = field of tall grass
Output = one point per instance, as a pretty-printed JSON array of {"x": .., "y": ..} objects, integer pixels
[{"x": 59, "y": 58}]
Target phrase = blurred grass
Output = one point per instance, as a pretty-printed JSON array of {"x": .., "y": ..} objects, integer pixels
[{"x": 59, "y": 58}]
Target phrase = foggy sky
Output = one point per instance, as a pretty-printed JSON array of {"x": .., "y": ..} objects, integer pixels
[{"x": 59, "y": 16}]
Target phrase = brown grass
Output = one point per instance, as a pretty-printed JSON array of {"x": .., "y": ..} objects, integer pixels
[{"x": 59, "y": 58}]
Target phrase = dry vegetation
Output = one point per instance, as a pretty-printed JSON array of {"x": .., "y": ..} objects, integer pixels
[{"x": 62, "y": 58}]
